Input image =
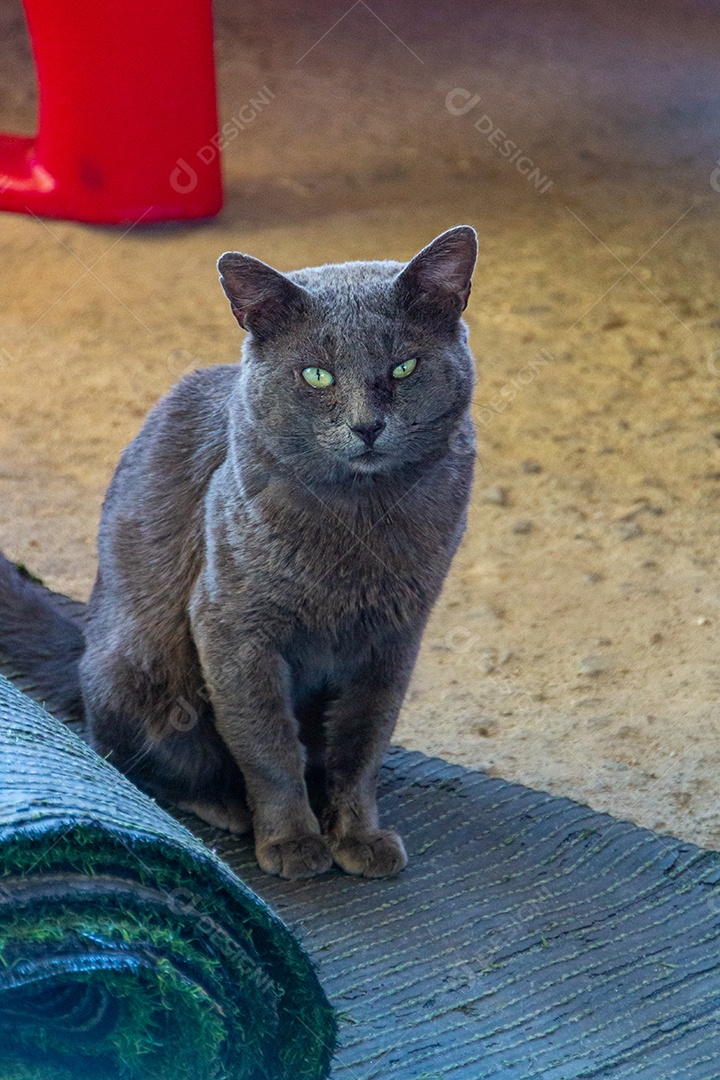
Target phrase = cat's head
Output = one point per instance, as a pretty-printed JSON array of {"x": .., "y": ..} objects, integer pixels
[{"x": 360, "y": 368}]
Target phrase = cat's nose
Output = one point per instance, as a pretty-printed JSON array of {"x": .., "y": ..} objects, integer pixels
[{"x": 369, "y": 432}]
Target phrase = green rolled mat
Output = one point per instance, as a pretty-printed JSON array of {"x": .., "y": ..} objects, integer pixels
[{"x": 127, "y": 948}]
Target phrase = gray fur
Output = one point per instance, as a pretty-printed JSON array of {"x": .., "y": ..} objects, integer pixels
[
  {"x": 266, "y": 569},
  {"x": 44, "y": 643}
]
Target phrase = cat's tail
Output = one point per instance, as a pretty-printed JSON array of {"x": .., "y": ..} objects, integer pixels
[{"x": 39, "y": 642}]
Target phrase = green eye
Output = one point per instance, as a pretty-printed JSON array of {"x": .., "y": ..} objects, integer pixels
[
  {"x": 317, "y": 376},
  {"x": 403, "y": 370}
]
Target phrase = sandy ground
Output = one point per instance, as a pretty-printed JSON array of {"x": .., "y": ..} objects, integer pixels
[{"x": 575, "y": 648}]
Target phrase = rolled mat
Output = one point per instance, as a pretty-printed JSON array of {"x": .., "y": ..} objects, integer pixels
[{"x": 127, "y": 948}]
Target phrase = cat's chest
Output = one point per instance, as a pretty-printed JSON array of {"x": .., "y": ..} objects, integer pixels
[
  {"x": 342, "y": 568},
  {"x": 363, "y": 562}
]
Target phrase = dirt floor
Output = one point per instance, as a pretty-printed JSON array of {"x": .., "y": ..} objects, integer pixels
[{"x": 576, "y": 645}]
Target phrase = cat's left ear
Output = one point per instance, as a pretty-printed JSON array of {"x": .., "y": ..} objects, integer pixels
[
  {"x": 261, "y": 298},
  {"x": 439, "y": 277}
]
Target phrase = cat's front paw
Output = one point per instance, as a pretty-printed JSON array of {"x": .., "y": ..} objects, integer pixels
[
  {"x": 376, "y": 853},
  {"x": 299, "y": 857},
  {"x": 232, "y": 815}
]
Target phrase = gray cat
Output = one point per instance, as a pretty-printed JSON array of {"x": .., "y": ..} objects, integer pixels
[{"x": 270, "y": 548}]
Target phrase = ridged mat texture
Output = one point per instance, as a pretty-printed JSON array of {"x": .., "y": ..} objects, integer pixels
[
  {"x": 529, "y": 937},
  {"x": 127, "y": 949}
]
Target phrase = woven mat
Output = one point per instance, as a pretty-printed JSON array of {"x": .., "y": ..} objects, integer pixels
[{"x": 529, "y": 937}]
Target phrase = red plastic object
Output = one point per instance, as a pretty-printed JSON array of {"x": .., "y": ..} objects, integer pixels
[{"x": 127, "y": 112}]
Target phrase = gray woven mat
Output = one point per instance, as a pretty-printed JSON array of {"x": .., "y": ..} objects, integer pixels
[{"x": 529, "y": 937}]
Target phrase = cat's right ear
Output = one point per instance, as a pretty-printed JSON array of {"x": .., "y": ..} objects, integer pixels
[
  {"x": 261, "y": 299},
  {"x": 438, "y": 280}
]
